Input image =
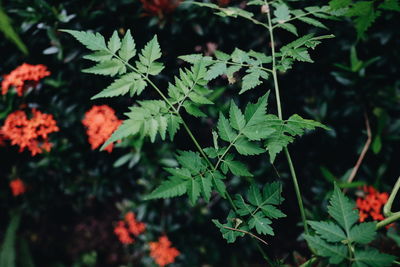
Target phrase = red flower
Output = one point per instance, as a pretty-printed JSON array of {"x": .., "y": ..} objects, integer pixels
[
  {"x": 129, "y": 226},
  {"x": 162, "y": 252},
  {"x": 100, "y": 122},
  {"x": 22, "y": 77},
  {"x": 123, "y": 234},
  {"x": 17, "y": 187},
  {"x": 371, "y": 204},
  {"x": 160, "y": 8},
  {"x": 136, "y": 228},
  {"x": 30, "y": 133}
]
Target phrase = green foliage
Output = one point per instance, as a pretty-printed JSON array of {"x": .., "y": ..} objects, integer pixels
[
  {"x": 9, "y": 32},
  {"x": 364, "y": 13},
  {"x": 193, "y": 177},
  {"x": 8, "y": 248},
  {"x": 258, "y": 209},
  {"x": 341, "y": 240}
]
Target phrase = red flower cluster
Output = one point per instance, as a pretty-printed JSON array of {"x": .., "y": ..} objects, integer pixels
[
  {"x": 17, "y": 187},
  {"x": 160, "y": 7},
  {"x": 129, "y": 226},
  {"x": 23, "y": 76},
  {"x": 162, "y": 252},
  {"x": 29, "y": 133},
  {"x": 371, "y": 204},
  {"x": 100, "y": 122}
]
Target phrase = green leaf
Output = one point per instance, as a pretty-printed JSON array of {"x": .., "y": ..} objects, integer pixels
[
  {"x": 92, "y": 41},
  {"x": 337, "y": 4},
  {"x": 199, "y": 99},
  {"x": 313, "y": 22},
  {"x": 128, "y": 47},
  {"x": 193, "y": 190},
  {"x": 127, "y": 128},
  {"x": 229, "y": 234},
  {"x": 342, "y": 210},
  {"x": 192, "y": 161},
  {"x": 328, "y": 231},
  {"x": 99, "y": 56},
  {"x": 246, "y": 148},
  {"x": 239, "y": 56},
  {"x": 272, "y": 212},
  {"x": 221, "y": 55},
  {"x": 261, "y": 224},
  {"x": 289, "y": 27},
  {"x": 114, "y": 44},
  {"x": 173, "y": 125},
  {"x": 9, "y": 32},
  {"x": 285, "y": 131},
  {"x": 180, "y": 173},
  {"x": 173, "y": 187},
  {"x": 151, "y": 52},
  {"x": 193, "y": 109},
  {"x": 250, "y": 81},
  {"x": 254, "y": 195},
  {"x": 272, "y": 193},
  {"x": 225, "y": 130},
  {"x": 216, "y": 70},
  {"x": 336, "y": 253},
  {"x": 205, "y": 185},
  {"x": 242, "y": 207},
  {"x": 255, "y": 113},
  {"x": 8, "y": 248},
  {"x": 363, "y": 233},
  {"x": 119, "y": 87},
  {"x": 373, "y": 258},
  {"x": 109, "y": 67},
  {"x": 217, "y": 182},
  {"x": 281, "y": 13},
  {"x": 238, "y": 168}
]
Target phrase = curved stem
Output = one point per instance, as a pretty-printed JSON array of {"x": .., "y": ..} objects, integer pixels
[
  {"x": 387, "y": 209},
  {"x": 279, "y": 108}
]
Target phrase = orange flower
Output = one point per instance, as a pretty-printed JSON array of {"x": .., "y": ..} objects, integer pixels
[
  {"x": 30, "y": 133},
  {"x": 136, "y": 228},
  {"x": 162, "y": 252},
  {"x": 127, "y": 227},
  {"x": 100, "y": 122},
  {"x": 123, "y": 233},
  {"x": 23, "y": 76},
  {"x": 17, "y": 187},
  {"x": 160, "y": 8},
  {"x": 371, "y": 204}
]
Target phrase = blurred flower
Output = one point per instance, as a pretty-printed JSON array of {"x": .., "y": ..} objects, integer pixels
[
  {"x": 23, "y": 76},
  {"x": 17, "y": 187},
  {"x": 30, "y": 133},
  {"x": 162, "y": 252},
  {"x": 370, "y": 205},
  {"x": 129, "y": 226},
  {"x": 160, "y": 8},
  {"x": 223, "y": 2},
  {"x": 100, "y": 122},
  {"x": 123, "y": 234},
  {"x": 136, "y": 228}
]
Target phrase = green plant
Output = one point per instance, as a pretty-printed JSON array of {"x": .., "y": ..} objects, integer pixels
[
  {"x": 239, "y": 133},
  {"x": 343, "y": 239}
]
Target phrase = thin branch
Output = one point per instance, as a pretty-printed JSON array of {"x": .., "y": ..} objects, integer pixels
[
  {"x": 363, "y": 152},
  {"x": 245, "y": 232}
]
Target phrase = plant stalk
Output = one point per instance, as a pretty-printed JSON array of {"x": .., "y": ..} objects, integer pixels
[{"x": 279, "y": 108}]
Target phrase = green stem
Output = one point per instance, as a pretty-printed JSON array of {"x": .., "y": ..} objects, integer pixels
[
  {"x": 279, "y": 108},
  {"x": 387, "y": 209},
  {"x": 394, "y": 217},
  {"x": 297, "y": 190}
]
